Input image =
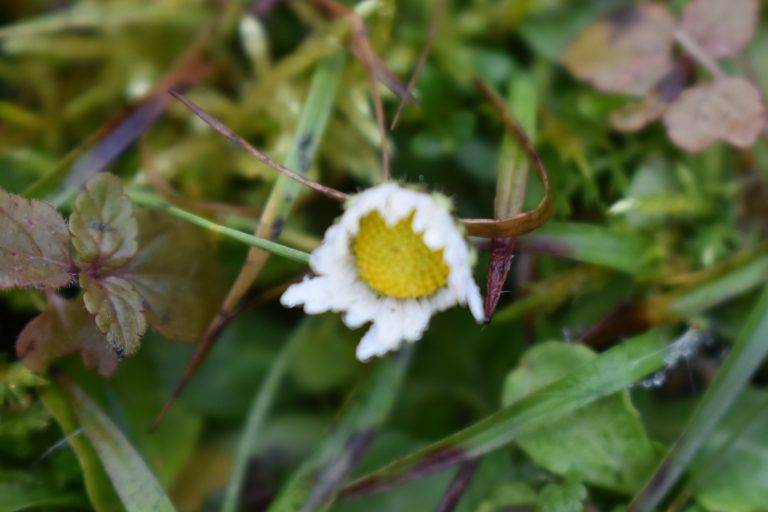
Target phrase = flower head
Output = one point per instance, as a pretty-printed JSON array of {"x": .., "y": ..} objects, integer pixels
[{"x": 394, "y": 258}]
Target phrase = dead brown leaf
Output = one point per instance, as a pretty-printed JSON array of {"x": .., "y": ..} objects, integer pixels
[
  {"x": 729, "y": 109},
  {"x": 721, "y": 27},
  {"x": 628, "y": 52}
]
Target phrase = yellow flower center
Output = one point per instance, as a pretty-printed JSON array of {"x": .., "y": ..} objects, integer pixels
[{"x": 395, "y": 261}]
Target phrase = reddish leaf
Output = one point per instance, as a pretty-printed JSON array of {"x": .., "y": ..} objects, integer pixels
[
  {"x": 118, "y": 310},
  {"x": 727, "y": 109},
  {"x": 63, "y": 328},
  {"x": 177, "y": 274},
  {"x": 34, "y": 244},
  {"x": 721, "y": 27},
  {"x": 102, "y": 224},
  {"x": 628, "y": 52}
]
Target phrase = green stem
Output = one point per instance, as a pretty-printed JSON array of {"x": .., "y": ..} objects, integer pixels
[
  {"x": 149, "y": 200},
  {"x": 260, "y": 406}
]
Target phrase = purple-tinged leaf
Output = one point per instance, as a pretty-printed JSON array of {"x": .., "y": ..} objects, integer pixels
[
  {"x": 34, "y": 244},
  {"x": 628, "y": 52},
  {"x": 63, "y": 328},
  {"x": 721, "y": 27},
  {"x": 102, "y": 224},
  {"x": 118, "y": 310},
  {"x": 177, "y": 275}
]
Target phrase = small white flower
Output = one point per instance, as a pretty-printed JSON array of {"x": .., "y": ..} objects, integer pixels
[{"x": 394, "y": 258}]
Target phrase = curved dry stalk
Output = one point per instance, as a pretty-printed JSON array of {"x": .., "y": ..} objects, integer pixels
[
  {"x": 362, "y": 48},
  {"x": 241, "y": 142},
  {"x": 523, "y": 222},
  {"x": 434, "y": 25}
]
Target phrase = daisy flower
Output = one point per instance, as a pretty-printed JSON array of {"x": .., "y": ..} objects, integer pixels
[{"x": 394, "y": 258}]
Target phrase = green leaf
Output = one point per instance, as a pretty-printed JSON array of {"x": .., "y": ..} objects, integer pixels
[
  {"x": 325, "y": 354},
  {"x": 509, "y": 495},
  {"x": 594, "y": 244},
  {"x": 315, "y": 484},
  {"x": 118, "y": 309},
  {"x": 102, "y": 224},
  {"x": 137, "y": 487},
  {"x": 603, "y": 443},
  {"x": 567, "y": 497},
  {"x": 731, "y": 471},
  {"x": 63, "y": 328},
  {"x": 177, "y": 274},
  {"x": 611, "y": 372},
  {"x": 34, "y": 244},
  {"x": 28, "y": 494},
  {"x": 100, "y": 492}
]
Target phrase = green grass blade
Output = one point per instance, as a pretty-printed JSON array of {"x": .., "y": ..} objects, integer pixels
[
  {"x": 134, "y": 483},
  {"x": 591, "y": 243},
  {"x": 315, "y": 484},
  {"x": 613, "y": 371},
  {"x": 101, "y": 494},
  {"x": 254, "y": 423},
  {"x": 748, "y": 353}
]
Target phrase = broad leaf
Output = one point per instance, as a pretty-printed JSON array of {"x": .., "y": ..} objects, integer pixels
[
  {"x": 102, "y": 224},
  {"x": 721, "y": 27},
  {"x": 731, "y": 471},
  {"x": 63, "y": 328},
  {"x": 34, "y": 244},
  {"x": 566, "y": 497},
  {"x": 603, "y": 443},
  {"x": 729, "y": 109},
  {"x": 628, "y": 52},
  {"x": 137, "y": 487},
  {"x": 118, "y": 310},
  {"x": 177, "y": 275}
]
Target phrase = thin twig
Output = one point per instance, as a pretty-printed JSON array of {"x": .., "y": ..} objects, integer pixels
[
  {"x": 458, "y": 485},
  {"x": 523, "y": 222},
  {"x": 434, "y": 26},
  {"x": 242, "y": 143},
  {"x": 698, "y": 53}
]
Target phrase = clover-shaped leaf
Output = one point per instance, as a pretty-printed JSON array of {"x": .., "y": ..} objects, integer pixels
[
  {"x": 102, "y": 224},
  {"x": 118, "y": 310},
  {"x": 721, "y": 27},
  {"x": 729, "y": 109},
  {"x": 628, "y": 52},
  {"x": 64, "y": 327},
  {"x": 34, "y": 244}
]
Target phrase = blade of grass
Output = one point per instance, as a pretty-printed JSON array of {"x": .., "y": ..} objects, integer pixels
[
  {"x": 101, "y": 494},
  {"x": 134, "y": 483},
  {"x": 262, "y": 403},
  {"x": 614, "y": 370},
  {"x": 153, "y": 201},
  {"x": 315, "y": 484},
  {"x": 747, "y": 354},
  {"x": 309, "y": 132}
]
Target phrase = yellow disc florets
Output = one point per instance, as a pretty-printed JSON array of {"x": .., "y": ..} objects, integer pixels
[{"x": 395, "y": 261}]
